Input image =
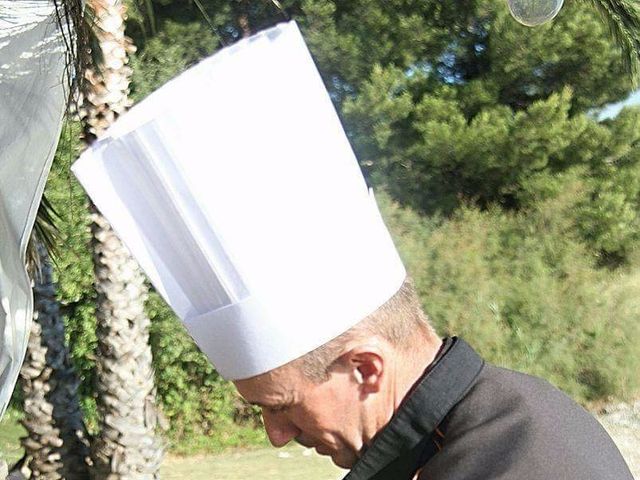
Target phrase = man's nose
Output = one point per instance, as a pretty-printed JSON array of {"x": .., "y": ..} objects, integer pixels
[{"x": 279, "y": 430}]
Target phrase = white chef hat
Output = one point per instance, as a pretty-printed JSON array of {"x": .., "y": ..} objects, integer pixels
[{"x": 237, "y": 191}]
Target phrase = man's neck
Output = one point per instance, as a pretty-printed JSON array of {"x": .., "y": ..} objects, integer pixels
[
  {"x": 411, "y": 367},
  {"x": 405, "y": 371}
]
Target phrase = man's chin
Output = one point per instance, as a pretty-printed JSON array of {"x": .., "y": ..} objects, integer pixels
[
  {"x": 339, "y": 458},
  {"x": 342, "y": 461},
  {"x": 304, "y": 443}
]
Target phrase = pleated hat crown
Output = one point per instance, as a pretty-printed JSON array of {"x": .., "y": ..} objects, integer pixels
[{"x": 236, "y": 189}]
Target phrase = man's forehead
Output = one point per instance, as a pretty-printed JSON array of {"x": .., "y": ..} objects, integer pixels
[{"x": 280, "y": 382}]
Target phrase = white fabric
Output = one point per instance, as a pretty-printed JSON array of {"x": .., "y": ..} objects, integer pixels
[
  {"x": 32, "y": 102},
  {"x": 236, "y": 189}
]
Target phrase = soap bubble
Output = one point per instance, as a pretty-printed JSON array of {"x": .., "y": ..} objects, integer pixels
[{"x": 534, "y": 12}]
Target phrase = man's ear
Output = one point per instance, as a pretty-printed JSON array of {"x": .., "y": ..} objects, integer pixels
[{"x": 367, "y": 365}]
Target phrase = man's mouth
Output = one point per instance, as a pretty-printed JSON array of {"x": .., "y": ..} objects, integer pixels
[{"x": 320, "y": 448}]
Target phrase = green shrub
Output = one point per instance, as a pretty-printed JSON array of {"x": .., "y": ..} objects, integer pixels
[
  {"x": 195, "y": 399},
  {"x": 527, "y": 294},
  {"x": 73, "y": 265}
]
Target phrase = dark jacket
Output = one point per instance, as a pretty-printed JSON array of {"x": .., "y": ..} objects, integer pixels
[{"x": 468, "y": 420}]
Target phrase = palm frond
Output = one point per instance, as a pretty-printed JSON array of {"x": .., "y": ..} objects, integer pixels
[
  {"x": 623, "y": 19},
  {"x": 77, "y": 25},
  {"x": 209, "y": 21},
  {"x": 45, "y": 233},
  {"x": 151, "y": 16}
]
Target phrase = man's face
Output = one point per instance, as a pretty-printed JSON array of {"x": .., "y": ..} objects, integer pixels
[{"x": 326, "y": 416}]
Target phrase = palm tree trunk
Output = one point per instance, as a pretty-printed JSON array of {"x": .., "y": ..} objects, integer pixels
[
  {"x": 56, "y": 442},
  {"x": 126, "y": 445},
  {"x": 105, "y": 95}
]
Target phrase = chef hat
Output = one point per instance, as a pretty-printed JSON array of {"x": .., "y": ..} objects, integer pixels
[{"x": 236, "y": 189}]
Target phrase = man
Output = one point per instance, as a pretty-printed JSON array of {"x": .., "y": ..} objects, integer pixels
[
  {"x": 390, "y": 399},
  {"x": 272, "y": 251}
]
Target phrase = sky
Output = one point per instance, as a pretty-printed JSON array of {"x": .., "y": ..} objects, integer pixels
[{"x": 613, "y": 109}]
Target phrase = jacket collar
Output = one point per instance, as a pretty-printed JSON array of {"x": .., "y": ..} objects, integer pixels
[{"x": 405, "y": 444}]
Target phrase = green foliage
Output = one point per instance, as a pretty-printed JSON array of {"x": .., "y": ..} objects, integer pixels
[
  {"x": 10, "y": 433},
  {"x": 163, "y": 57},
  {"x": 524, "y": 291},
  {"x": 502, "y": 115},
  {"x": 608, "y": 218},
  {"x": 73, "y": 265},
  {"x": 527, "y": 64},
  {"x": 428, "y": 154},
  {"x": 195, "y": 399},
  {"x": 349, "y": 38},
  {"x": 623, "y": 19}
]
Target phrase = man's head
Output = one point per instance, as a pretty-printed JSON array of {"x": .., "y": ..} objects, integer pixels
[{"x": 337, "y": 397}]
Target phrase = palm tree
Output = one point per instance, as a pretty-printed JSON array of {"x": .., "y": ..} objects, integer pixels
[
  {"x": 56, "y": 444},
  {"x": 623, "y": 19},
  {"x": 126, "y": 444}
]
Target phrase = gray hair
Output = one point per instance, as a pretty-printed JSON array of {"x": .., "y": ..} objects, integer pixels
[{"x": 399, "y": 321}]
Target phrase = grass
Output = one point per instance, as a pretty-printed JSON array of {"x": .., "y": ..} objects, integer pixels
[
  {"x": 227, "y": 438},
  {"x": 10, "y": 433},
  {"x": 289, "y": 463}
]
